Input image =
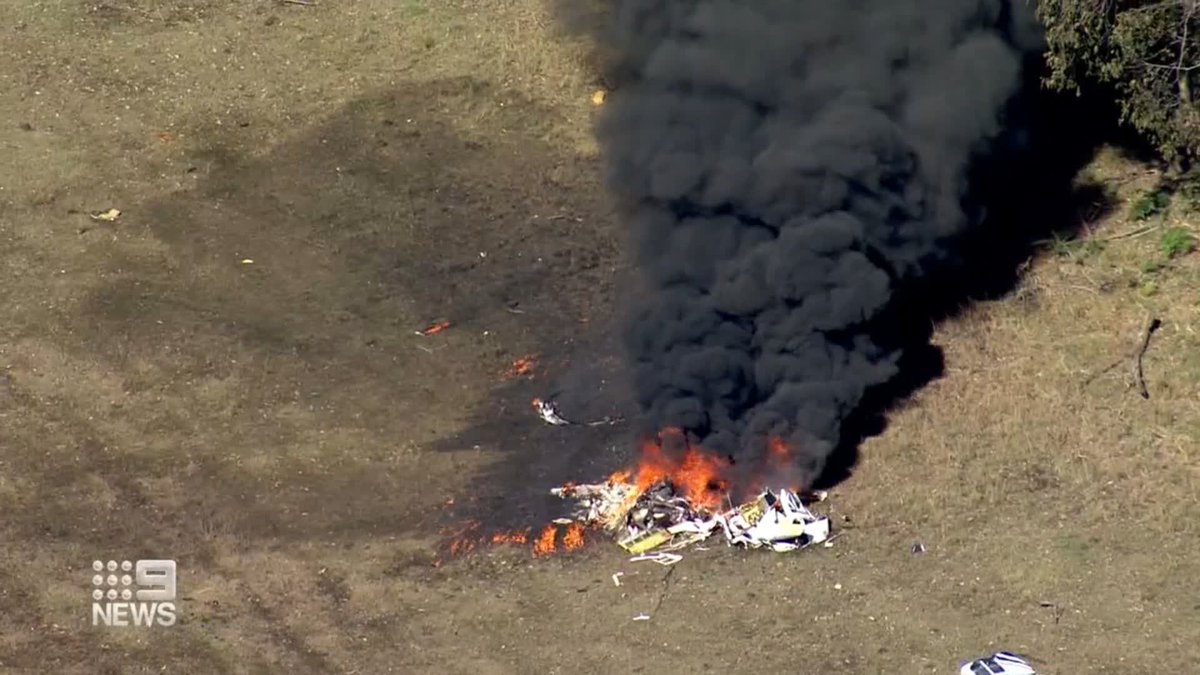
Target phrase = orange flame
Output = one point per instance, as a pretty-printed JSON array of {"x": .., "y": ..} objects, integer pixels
[
  {"x": 434, "y": 328},
  {"x": 518, "y": 537},
  {"x": 546, "y": 542},
  {"x": 697, "y": 475},
  {"x": 573, "y": 538},
  {"x": 621, "y": 476},
  {"x": 777, "y": 468},
  {"x": 522, "y": 366},
  {"x": 778, "y": 450}
]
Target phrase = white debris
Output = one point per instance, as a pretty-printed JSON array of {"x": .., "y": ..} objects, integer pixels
[
  {"x": 1000, "y": 663},
  {"x": 659, "y": 518},
  {"x": 660, "y": 558},
  {"x": 606, "y": 421},
  {"x": 549, "y": 413},
  {"x": 597, "y": 504},
  {"x": 642, "y": 617},
  {"x": 780, "y": 522},
  {"x": 617, "y": 578}
]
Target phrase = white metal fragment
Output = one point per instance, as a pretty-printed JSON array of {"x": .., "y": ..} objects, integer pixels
[
  {"x": 549, "y": 413},
  {"x": 660, "y": 558},
  {"x": 617, "y": 578},
  {"x": 106, "y": 216},
  {"x": 642, "y": 617},
  {"x": 1000, "y": 663}
]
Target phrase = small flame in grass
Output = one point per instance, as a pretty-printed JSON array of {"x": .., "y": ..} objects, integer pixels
[
  {"x": 573, "y": 538},
  {"x": 546, "y": 541},
  {"x": 519, "y": 537},
  {"x": 434, "y": 328},
  {"x": 522, "y": 366}
]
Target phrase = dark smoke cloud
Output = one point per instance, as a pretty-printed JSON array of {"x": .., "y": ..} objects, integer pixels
[{"x": 787, "y": 165}]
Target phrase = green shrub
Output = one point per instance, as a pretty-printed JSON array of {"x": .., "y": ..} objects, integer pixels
[{"x": 1177, "y": 241}]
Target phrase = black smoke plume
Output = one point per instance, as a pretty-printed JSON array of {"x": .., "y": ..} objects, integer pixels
[{"x": 788, "y": 167}]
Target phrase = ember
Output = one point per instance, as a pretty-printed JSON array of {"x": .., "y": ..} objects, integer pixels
[
  {"x": 522, "y": 366},
  {"x": 434, "y": 328},
  {"x": 510, "y": 537}
]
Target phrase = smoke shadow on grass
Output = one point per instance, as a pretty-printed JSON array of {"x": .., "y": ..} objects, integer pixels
[{"x": 1031, "y": 191}]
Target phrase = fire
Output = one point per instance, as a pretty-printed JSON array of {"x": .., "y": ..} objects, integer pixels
[
  {"x": 519, "y": 537},
  {"x": 778, "y": 450},
  {"x": 522, "y": 366},
  {"x": 621, "y": 476},
  {"x": 697, "y": 474},
  {"x": 434, "y": 328},
  {"x": 778, "y": 467},
  {"x": 463, "y": 539},
  {"x": 573, "y": 538},
  {"x": 546, "y": 541}
]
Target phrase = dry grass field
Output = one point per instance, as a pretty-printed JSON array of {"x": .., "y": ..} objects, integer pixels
[{"x": 227, "y": 375}]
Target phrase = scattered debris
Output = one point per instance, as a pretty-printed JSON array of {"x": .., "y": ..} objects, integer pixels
[
  {"x": 1000, "y": 663},
  {"x": 604, "y": 421},
  {"x": 1053, "y": 606},
  {"x": 918, "y": 548},
  {"x": 598, "y": 97},
  {"x": 617, "y": 578},
  {"x": 247, "y": 261},
  {"x": 1138, "y": 376},
  {"x": 107, "y": 216},
  {"x": 642, "y": 617},
  {"x": 660, "y": 558},
  {"x": 434, "y": 328},
  {"x": 549, "y": 412},
  {"x": 780, "y": 522},
  {"x": 660, "y": 518}
]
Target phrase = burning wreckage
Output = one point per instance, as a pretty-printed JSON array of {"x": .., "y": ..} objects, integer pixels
[
  {"x": 654, "y": 512},
  {"x": 661, "y": 518}
]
